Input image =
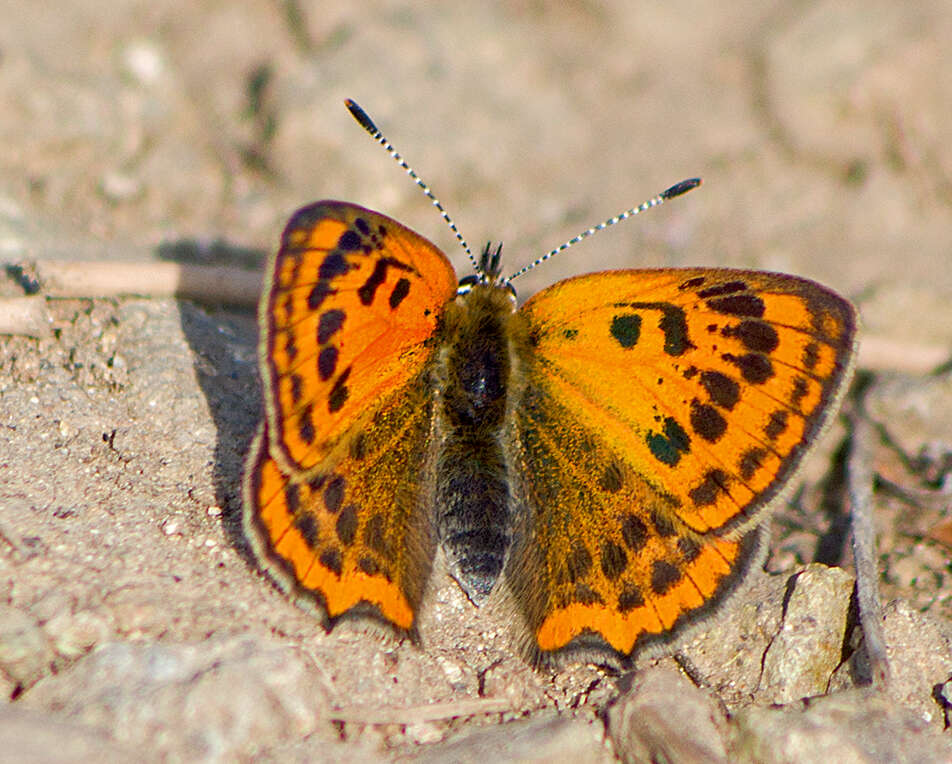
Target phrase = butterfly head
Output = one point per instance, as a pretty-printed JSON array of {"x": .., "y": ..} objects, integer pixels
[{"x": 487, "y": 272}]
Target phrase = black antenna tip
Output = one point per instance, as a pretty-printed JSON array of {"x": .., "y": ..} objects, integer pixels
[
  {"x": 361, "y": 116},
  {"x": 678, "y": 188}
]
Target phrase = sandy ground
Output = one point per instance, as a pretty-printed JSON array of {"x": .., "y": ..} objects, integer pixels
[{"x": 132, "y": 623}]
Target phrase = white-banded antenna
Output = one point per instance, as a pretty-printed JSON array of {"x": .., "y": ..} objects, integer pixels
[
  {"x": 368, "y": 124},
  {"x": 676, "y": 190}
]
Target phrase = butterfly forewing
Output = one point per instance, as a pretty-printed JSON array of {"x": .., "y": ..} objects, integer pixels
[{"x": 353, "y": 298}]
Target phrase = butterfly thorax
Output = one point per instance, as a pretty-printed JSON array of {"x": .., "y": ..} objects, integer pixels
[{"x": 473, "y": 376}]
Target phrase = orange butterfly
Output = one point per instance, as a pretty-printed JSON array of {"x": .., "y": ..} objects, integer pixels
[{"x": 601, "y": 459}]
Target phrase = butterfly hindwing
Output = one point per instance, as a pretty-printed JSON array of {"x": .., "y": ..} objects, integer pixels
[
  {"x": 356, "y": 536},
  {"x": 662, "y": 412}
]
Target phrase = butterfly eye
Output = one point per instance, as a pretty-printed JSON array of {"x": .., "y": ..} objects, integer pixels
[{"x": 467, "y": 283}]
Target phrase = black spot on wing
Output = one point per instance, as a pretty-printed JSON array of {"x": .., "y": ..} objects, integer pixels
[
  {"x": 334, "y": 494},
  {"x": 400, "y": 291},
  {"x": 358, "y": 447},
  {"x": 611, "y": 479},
  {"x": 662, "y": 523},
  {"x": 707, "y": 421},
  {"x": 331, "y": 559},
  {"x": 673, "y": 324},
  {"x": 630, "y": 597},
  {"x": 749, "y": 305},
  {"x": 626, "y": 330},
  {"x": 750, "y": 462},
  {"x": 719, "y": 290},
  {"x": 664, "y": 575},
  {"x": 306, "y": 424},
  {"x": 689, "y": 548},
  {"x": 693, "y": 283},
  {"x": 369, "y": 566},
  {"x": 754, "y": 368},
  {"x": 613, "y": 560},
  {"x": 327, "y": 362},
  {"x": 329, "y": 323},
  {"x": 292, "y": 498},
  {"x": 811, "y": 356},
  {"x": 634, "y": 532},
  {"x": 339, "y": 392},
  {"x": 668, "y": 446},
  {"x": 346, "y": 525},
  {"x": 724, "y": 391},
  {"x": 297, "y": 382},
  {"x": 578, "y": 564},
  {"x": 368, "y": 290},
  {"x": 801, "y": 388},
  {"x": 706, "y": 492},
  {"x": 319, "y": 292},
  {"x": 332, "y": 266},
  {"x": 585, "y": 595},
  {"x": 777, "y": 424},
  {"x": 350, "y": 241},
  {"x": 756, "y": 336},
  {"x": 304, "y": 522}
]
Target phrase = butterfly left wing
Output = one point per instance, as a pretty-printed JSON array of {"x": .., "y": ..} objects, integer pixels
[
  {"x": 661, "y": 413},
  {"x": 337, "y": 482}
]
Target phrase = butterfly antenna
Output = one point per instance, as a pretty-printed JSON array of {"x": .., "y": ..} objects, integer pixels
[
  {"x": 676, "y": 190},
  {"x": 368, "y": 124}
]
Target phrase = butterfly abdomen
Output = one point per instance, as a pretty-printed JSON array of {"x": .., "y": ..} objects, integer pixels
[{"x": 472, "y": 494}]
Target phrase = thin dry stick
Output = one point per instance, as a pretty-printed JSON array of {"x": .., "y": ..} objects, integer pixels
[
  {"x": 204, "y": 283},
  {"x": 242, "y": 287},
  {"x": 859, "y": 480}
]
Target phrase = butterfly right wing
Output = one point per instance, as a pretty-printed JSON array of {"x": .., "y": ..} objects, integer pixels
[{"x": 662, "y": 412}]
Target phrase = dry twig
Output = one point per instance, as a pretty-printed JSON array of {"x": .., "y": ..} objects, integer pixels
[
  {"x": 203, "y": 283},
  {"x": 859, "y": 477}
]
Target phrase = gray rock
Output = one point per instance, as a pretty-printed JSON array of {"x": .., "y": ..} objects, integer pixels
[
  {"x": 919, "y": 649},
  {"x": 809, "y": 646},
  {"x": 780, "y": 640},
  {"x": 857, "y": 726},
  {"x": 25, "y": 653},
  {"x": 36, "y": 737},
  {"x": 664, "y": 717},
  {"x": 546, "y": 739},
  {"x": 196, "y": 702}
]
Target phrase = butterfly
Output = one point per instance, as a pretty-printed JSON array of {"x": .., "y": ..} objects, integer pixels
[{"x": 600, "y": 460}]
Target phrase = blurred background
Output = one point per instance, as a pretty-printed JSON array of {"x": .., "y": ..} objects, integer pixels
[
  {"x": 821, "y": 129},
  {"x": 148, "y": 130}
]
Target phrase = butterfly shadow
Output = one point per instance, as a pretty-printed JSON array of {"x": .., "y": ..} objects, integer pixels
[{"x": 223, "y": 341}]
